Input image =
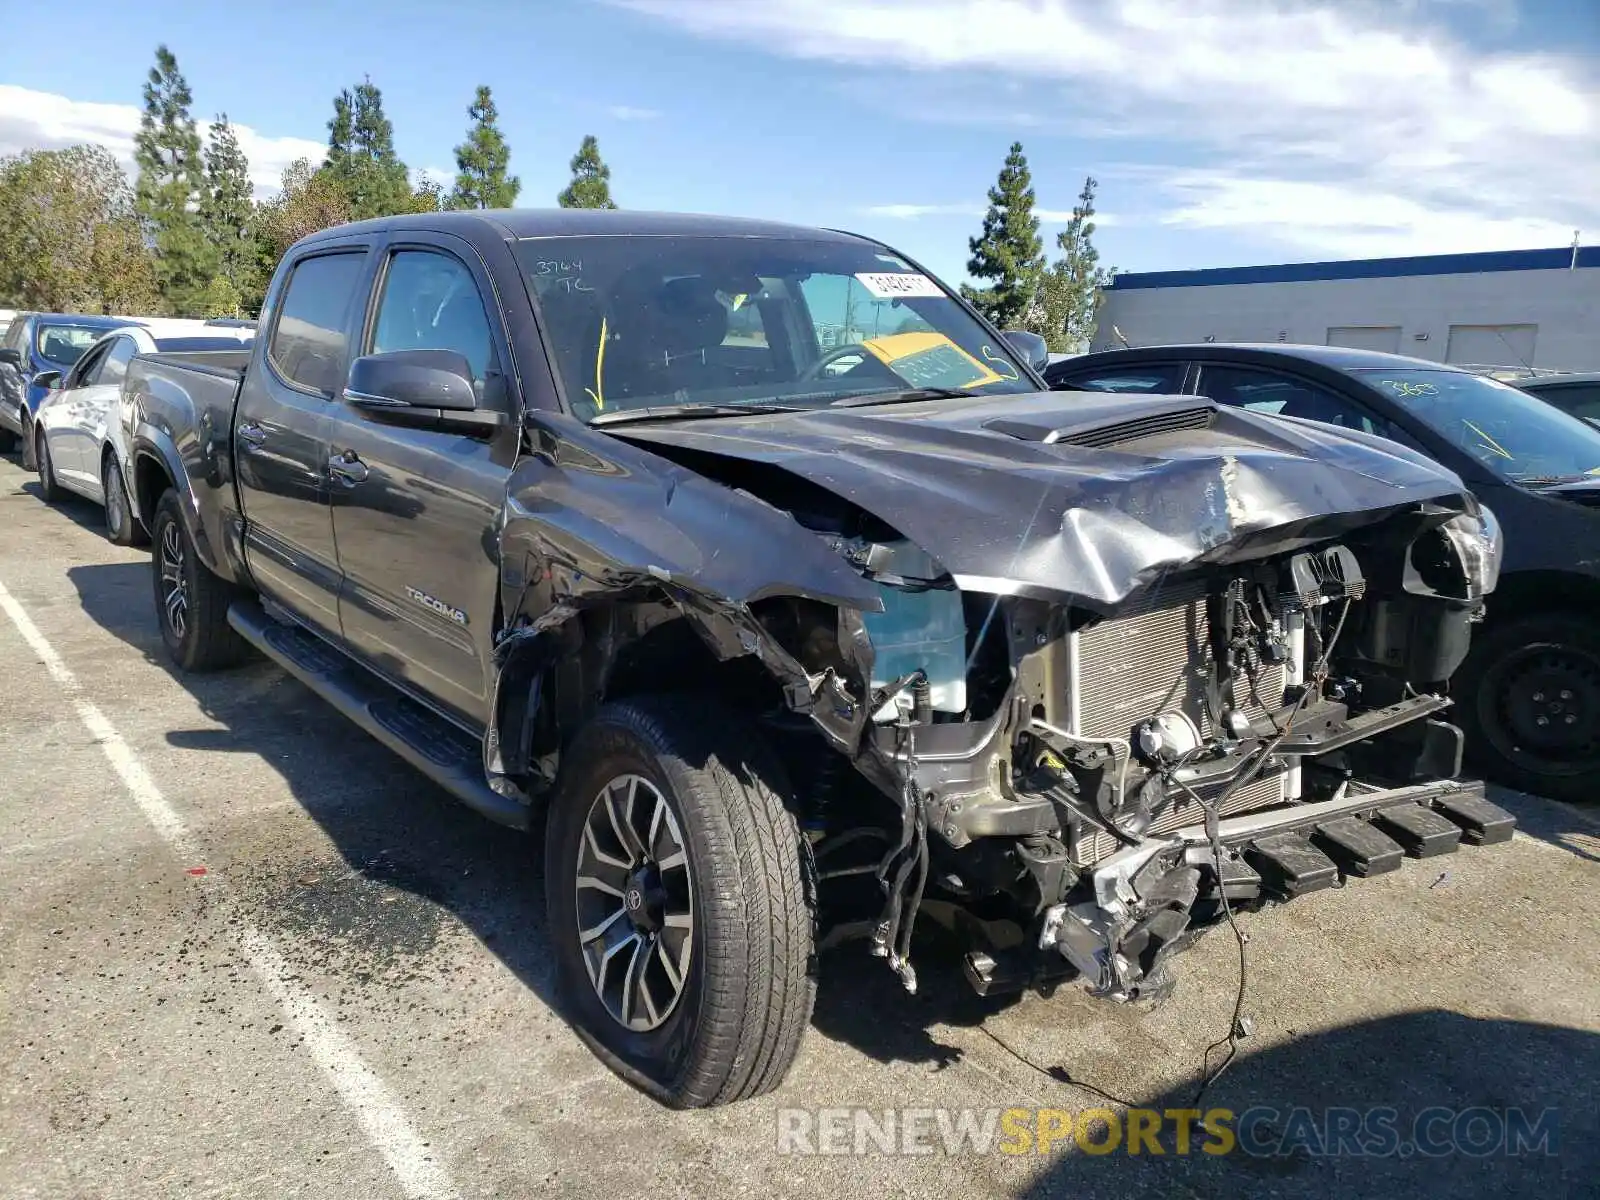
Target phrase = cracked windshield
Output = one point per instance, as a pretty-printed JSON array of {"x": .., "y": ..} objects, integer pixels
[{"x": 638, "y": 324}]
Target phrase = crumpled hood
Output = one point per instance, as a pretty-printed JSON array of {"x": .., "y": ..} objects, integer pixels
[{"x": 1082, "y": 493}]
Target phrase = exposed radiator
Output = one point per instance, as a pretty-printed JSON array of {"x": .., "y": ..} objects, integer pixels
[{"x": 1151, "y": 660}]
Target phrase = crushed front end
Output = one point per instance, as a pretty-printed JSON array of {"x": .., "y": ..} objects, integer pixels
[{"x": 1082, "y": 790}]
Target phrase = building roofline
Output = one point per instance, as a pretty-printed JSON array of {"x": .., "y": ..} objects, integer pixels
[{"x": 1558, "y": 258}]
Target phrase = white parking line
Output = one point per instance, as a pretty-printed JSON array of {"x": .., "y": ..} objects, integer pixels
[{"x": 375, "y": 1106}]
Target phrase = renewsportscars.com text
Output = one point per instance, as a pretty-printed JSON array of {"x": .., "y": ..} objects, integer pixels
[{"x": 1260, "y": 1131}]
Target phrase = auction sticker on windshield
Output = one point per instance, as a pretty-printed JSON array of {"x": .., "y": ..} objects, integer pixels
[
  {"x": 929, "y": 359},
  {"x": 893, "y": 285}
]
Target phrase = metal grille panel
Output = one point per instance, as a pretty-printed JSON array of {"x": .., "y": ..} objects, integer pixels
[{"x": 1150, "y": 661}]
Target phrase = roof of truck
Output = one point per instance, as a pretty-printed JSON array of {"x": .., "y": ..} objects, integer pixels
[{"x": 569, "y": 222}]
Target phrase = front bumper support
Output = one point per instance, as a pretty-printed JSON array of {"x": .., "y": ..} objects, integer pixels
[{"x": 1118, "y": 937}]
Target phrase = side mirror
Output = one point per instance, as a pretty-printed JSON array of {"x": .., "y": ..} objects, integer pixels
[
  {"x": 1035, "y": 351},
  {"x": 426, "y": 389},
  {"x": 11, "y": 357},
  {"x": 48, "y": 380}
]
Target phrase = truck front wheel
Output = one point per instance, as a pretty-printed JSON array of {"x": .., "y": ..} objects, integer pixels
[
  {"x": 191, "y": 602},
  {"x": 680, "y": 910}
]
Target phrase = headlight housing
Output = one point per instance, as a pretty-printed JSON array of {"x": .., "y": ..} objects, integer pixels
[{"x": 1479, "y": 543}]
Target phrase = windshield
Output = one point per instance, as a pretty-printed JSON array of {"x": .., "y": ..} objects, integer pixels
[
  {"x": 1517, "y": 436},
  {"x": 652, "y": 322},
  {"x": 64, "y": 345}
]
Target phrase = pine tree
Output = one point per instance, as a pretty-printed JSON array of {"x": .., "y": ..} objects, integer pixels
[
  {"x": 171, "y": 178},
  {"x": 1009, "y": 253},
  {"x": 225, "y": 213},
  {"x": 361, "y": 158},
  {"x": 481, "y": 161},
  {"x": 1069, "y": 294},
  {"x": 591, "y": 179}
]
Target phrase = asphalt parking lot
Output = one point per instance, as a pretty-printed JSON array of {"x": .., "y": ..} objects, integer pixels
[{"x": 244, "y": 951}]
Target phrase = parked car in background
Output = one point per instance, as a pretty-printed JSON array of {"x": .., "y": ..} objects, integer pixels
[
  {"x": 1577, "y": 393},
  {"x": 1529, "y": 693},
  {"x": 743, "y": 623},
  {"x": 34, "y": 345},
  {"x": 78, "y": 440},
  {"x": 7, "y": 315}
]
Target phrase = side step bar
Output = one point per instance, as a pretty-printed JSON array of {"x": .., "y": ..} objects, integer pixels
[{"x": 427, "y": 741}]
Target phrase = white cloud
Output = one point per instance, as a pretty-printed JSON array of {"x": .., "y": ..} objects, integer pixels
[
  {"x": 912, "y": 212},
  {"x": 1333, "y": 124},
  {"x": 627, "y": 112},
  {"x": 445, "y": 177},
  {"x": 31, "y": 120}
]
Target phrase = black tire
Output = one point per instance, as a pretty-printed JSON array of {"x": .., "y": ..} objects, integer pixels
[
  {"x": 194, "y": 625},
  {"x": 49, "y": 489},
  {"x": 122, "y": 528},
  {"x": 734, "y": 1027},
  {"x": 26, "y": 439},
  {"x": 8, "y": 441},
  {"x": 1529, "y": 696}
]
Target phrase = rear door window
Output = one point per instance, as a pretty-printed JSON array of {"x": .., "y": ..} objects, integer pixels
[
  {"x": 1266, "y": 391},
  {"x": 310, "y": 339},
  {"x": 1135, "y": 378}
]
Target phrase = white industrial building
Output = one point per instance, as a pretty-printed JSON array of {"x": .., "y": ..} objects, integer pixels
[{"x": 1517, "y": 308}]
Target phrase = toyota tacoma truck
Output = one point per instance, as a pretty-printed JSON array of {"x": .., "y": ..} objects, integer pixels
[{"x": 764, "y": 577}]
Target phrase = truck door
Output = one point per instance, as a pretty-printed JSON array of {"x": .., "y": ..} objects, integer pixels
[
  {"x": 416, "y": 511},
  {"x": 280, "y": 434}
]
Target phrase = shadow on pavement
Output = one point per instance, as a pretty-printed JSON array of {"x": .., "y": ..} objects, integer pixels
[
  {"x": 84, "y": 513},
  {"x": 397, "y": 830},
  {"x": 1428, "y": 1067}
]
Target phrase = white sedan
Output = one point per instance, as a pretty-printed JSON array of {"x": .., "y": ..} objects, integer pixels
[{"x": 78, "y": 438}]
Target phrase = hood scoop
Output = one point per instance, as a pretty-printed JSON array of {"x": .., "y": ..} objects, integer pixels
[{"x": 1107, "y": 433}]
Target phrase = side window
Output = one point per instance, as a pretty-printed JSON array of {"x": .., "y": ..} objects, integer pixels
[
  {"x": 431, "y": 302},
  {"x": 83, "y": 371},
  {"x": 115, "y": 363},
  {"x": 1141, "y": 378},
  {"x": 1579, "y": 399},
  {"x": 1285, "y": 396},
  {"x": 309, "y": 339}
]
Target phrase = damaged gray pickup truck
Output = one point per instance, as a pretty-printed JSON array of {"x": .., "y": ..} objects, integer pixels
[{"x": 762, "y": 575}]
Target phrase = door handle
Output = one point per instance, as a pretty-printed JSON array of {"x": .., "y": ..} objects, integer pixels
[
  {"x": 347, "y": 468},
  {"x": 251, "y": 434}
]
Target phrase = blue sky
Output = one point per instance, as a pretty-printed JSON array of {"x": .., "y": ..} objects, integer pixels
[{"x": 1222, "y": 131}]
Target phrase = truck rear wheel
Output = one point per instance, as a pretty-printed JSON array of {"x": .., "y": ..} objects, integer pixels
[
  {"x": 680, "y": 911},
  {"x": 191, "y": 602}
]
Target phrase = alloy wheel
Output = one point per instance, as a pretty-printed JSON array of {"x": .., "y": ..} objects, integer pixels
[
  {"x": 174, "y": 580},
  {"x": 635, "y": 903}
]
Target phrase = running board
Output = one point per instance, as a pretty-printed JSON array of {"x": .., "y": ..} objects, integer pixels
[{"x": 441, "y": 751}]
